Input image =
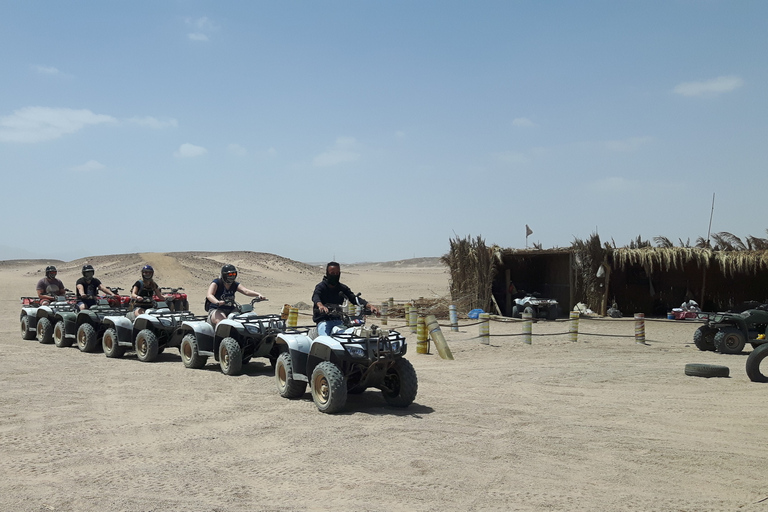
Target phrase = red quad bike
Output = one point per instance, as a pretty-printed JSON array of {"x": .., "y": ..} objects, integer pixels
[
  {"x": 117, "y": 300},
  {"x": 175, "y": 299}
]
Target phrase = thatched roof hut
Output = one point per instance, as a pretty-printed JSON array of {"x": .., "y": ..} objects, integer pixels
[{"x": 650, "y": 280}]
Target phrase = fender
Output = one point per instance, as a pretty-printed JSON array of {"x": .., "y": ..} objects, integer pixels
[
  {"x": 225, "y": 327},
  {"x": 122, "y": 325},
  {"x": 144, "y": 319},
  {"x": 87, "y": 317},
  {"x": 297, "y": 345},
  {"x": 69, "y": 318},
  {"x": 31, "y": 313},
  {"x": 203, "y": 332}
]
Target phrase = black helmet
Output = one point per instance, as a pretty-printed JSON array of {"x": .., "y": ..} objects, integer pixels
[
  {"x": 228, "y": 274},
  {"x": 88, "y": 271},
  {"x": 147, "y": 272},
  {"x": 50, "y": 272}
]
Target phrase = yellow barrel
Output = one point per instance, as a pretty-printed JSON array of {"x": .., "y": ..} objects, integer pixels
[
  {"x": 384, "y": 313},
  {"x": 433, "y": 328},
  {"x": 293, "y": 317},
  {"x": 412, "y": 315}
]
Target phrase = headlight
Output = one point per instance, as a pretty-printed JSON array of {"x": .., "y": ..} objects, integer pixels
[
  {"x": 396, "y": 345},
  {"x": 355, "y": 351},
  {"x": 165, "y": 321},
  {"x": 252, "y": 329}
]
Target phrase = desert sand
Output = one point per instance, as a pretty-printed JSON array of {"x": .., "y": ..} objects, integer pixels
[{"x": 602, "y": 424}]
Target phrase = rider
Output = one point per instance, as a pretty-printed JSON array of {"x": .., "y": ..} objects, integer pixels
[
  {"x": 87, "y": 287},
  {"x": 49, "y": 287},
  {"x": 221, "y": 295},
  {"x": 144, "y": 289},
  {"x": 330, "y": 292}
]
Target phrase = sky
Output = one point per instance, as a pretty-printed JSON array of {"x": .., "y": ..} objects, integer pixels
[{"x": 377, "y": 130}]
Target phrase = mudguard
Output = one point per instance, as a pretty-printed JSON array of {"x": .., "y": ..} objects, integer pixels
[
  {"x": 298, "y": 346},
  {"x": 122, "y": 325},
  {"x": 203, "y": 332}
]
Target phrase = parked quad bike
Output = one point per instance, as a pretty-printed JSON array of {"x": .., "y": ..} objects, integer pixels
[
  {"x": 350, "y": 360},
  {"x": 118, "y": 300},
  {"x": 728, "y": 333},
  {"x": 38, "y": 321},
  {"x": 235, "y": 340},
  {"x": 175, "y": 299},
  {"x": 85, "y": 327},
  {"x": 537, "y": 307},
  {"x": 148, "y": 334}
]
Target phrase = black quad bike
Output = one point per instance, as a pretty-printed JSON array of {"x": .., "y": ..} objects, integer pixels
[
  {"x": 85, "y": 327},
  {"x": 348, "y": 361},
  {"x": 728, "y": 333},
  {"x": 38, "y": 321}
]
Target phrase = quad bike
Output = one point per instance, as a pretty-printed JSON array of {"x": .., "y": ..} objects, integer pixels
[
  {"x": 118, "y": 300},
  {"x": 537, "y": 307},
  {"x": 84, "y": 327},
  {"x": 176, "y": 300},
  {"x": 350, "y": 360},
  {"x": 38, "y": 321},
  {"x": 234, "y": 341},
  {"x": 148, "y": 334},
  {"x": 728, "y": 333}
]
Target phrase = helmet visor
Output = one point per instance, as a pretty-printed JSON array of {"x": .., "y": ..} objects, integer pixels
[
  {"x": 229, "y": 277},
  {"x": 88, "y": 274},
  {"x": 147, "y": 274}
]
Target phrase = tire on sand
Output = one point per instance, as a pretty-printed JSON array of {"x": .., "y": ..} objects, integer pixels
[
  {"x": 286, "y": 385},
  {"x": 704, "y": 338},
  {"x": 753, "y": 363},
  {"x": 26, "y": 330},
  {"x": 706, "y": 370},
  {"x": 329, "y": 389},
  {"x": 110, "y": 345},
  {"x": 400, "y": 384},
  {"x": 59, "y": 335},
  {"x": 86, "y": 338},
  {"x": 146, "y": 346},
  {"x": 190, "y": 353},
  {"x": 230, "y": 357},
  {"x": 730, "y": 340},
  {"x": 44, "y": 331}
]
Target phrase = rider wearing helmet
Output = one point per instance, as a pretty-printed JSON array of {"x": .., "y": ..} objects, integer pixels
[
  {"x": 144, "y": 289},
  {"x": 49, "y": 287},
  {"x": 331, "y": 292},
  {"x": 87, "y": 287},
  {"x": 221, "y": 294}
]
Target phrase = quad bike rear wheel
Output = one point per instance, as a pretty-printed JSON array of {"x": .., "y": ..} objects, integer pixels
[
  {"x": 704, "y": 338},
  {"x": 44, "y": 331},
  {"x": 86, "y": 338},
  {"x": 26, "y": 330},
  {"x": 110, "y": 345},
  {"x": 190, "y": 353},
  {"x": 230, "y": 356},
  {"x": 730, "y": 340},
  {"x": 329, "y": 389},
  {"x": 59, "y": 335},
  {"x": 287, "y": 386},
  {"x": 146, "y": 346},
  {"x": 400, "y": 384}
]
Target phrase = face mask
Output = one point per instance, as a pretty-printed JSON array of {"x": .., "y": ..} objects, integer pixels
[{"x": 332, "y": 279}]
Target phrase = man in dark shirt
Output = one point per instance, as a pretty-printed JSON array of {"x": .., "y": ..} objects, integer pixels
[
  {"x": 87, "y": 288},
  {"x": 331, "y": 292}
]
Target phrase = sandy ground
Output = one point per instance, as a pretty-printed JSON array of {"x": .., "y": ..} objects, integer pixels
[{"x": 600, "y": 424}]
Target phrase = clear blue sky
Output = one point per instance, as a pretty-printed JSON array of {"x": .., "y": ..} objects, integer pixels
[{"x": 377, "y": 130}]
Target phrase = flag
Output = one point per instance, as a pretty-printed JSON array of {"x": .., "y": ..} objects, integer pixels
[{"x": 528, "y": 231}]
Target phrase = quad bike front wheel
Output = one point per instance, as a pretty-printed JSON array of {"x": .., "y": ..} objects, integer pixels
[
  {"x": 44, "y": 331},
  {"x": 110, "y": 345},
  {"x": 730, "y": 340},
  {"x": 230, "y": 357},
  {"x": 59, "y": 335},
  {"x": 190, "y": 353},
  {"x": 86, "y": 338},
  {"x": 400, "y": 384},
  {"x": 329, "y": 389},
  {"x": 26, "y": 330},
  {"x": 146, "y": 346}
]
